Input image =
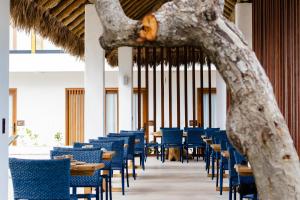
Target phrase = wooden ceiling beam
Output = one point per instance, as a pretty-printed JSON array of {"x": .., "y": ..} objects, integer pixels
[
  {"x": 74, "y": 15},
  {"x": 79, "y": 28},
  {"x": 60, "y": 7},
  {"x": 70, "y": 9},
  {"x": 51, "y": 4},
  {"x": 76, "y": 22},
  {"x": 81, "y": 32}
]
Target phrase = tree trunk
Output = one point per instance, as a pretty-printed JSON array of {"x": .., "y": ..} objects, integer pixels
[{"x": 255, "y": 124}]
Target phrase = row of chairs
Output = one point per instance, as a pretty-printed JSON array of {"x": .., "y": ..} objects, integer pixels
[
  {"x": 35, "y": 183},
  {"x": 173, "y": 138},
  {"x": 244, "y": 185}
]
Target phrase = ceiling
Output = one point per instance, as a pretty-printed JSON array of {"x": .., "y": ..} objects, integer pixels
[{"x": 62, "y": 21}]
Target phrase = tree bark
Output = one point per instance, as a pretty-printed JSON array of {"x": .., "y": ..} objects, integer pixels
[{"x": 255, "y": 124}]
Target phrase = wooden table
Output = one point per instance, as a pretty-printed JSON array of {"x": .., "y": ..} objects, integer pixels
[
  {"x": 243, "y": 170},
  {"x": 108, "y": 155},
  {"x": 87, "y": 169},
  {"x": 158, "y": 134},
  {"x": 216, "y": 147}
]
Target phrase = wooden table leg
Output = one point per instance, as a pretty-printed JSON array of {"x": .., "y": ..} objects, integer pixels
[{"x": 174, "y": 154}]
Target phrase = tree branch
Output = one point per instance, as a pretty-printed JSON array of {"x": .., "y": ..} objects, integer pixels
[{"x": 255, "y": 124}]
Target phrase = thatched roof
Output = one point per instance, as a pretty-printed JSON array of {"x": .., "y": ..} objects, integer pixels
[{"x": 62, "y": 21}]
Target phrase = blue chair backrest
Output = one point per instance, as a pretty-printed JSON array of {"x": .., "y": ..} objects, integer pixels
[
  {"x": 140, "y": 135},
  {"x": 194, "y": 136},
  {"x": 117, "y": 147},
  {"x": 231, "y": 159},
  {"x": 210, "y": 131},
  {"x": 169, "y": 128},
  {"x": 98, "y": 145},
  {"x": 40, "y": 179},
  {"x": 193, "y": 128},
  {"x": 239, "y": 158},
  {"x": 172, "y": 137},
  {"x": 129, "y": 140},
  {"x": 87, "y": 155}
]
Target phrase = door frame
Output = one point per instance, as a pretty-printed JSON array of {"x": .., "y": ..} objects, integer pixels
[
  {"x": 14, "y": 93},
  {"x": 199, "y": 102}
]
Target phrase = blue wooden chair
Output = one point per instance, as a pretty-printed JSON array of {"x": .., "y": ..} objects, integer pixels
[
  {"x": 139, "y": 148},
  {"x": 193, "y": 140},
  {"x": 224, "y": 165},
  {"x": 118, "y": 159},
  {"x": 208, "y": 151},
  {"x": 129, "y": 139},
  {"x": 101, "y": 145},
  {"x": 171, "y": 139},
  {"x": 246, "y": 184},
  {"x": 84, "y": 155},
  {"x": 40, "y": 179}
]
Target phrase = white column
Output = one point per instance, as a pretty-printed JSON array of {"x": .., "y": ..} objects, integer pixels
[
  {"x": 94, "y": 75},
  {"x": 243, "y": 20},
  {"x": 4, "y": 68},
  {"x": 221, "y": 109},
  {"x": 125, "y": 88}
]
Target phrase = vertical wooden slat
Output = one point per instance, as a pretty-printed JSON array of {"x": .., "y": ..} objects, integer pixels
[
  {"x": 147, "y": 87},
  {"x": 170, "y": 86},
  {"x": 139, "y": 86},
  {"x": 194, "y": 85},
  {"x": 185, "y": 89},
  {"x": 178, "y": 86},
  {"x": 67, "y": 135},
  {"x": 209, "y": 94},
  {"x": 154, "y": 88},
  {"x": 162, "y": 82},
  {"x": 201, "y": 85}
]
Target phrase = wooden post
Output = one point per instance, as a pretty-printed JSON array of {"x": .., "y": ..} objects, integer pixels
[
  {"x": 170, "y": 86},
  {"x": 139, "y": 86},
  {"x": 209, "y": 94},
  {"x": 185, "y": 89},
  {"x": 201, "y": 85},
  {"x": 154, "y": 88},
  {"x": 147, "y": 89},
  {"x": 162, "y": 81},
  {"x": 178, "y": 86},
  {"x": 194, "y": 85}
]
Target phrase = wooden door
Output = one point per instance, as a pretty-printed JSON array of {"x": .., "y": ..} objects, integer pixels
[
  {"x": 74, "y": 115},
  {"x": 13, "y": 113}
]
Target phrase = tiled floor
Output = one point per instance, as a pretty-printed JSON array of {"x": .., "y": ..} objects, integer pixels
[
  {"x": 168, "y": 181},
  {"x": 172, "y": 181}
]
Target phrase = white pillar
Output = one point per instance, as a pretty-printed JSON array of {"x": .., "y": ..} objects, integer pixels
[
  {"x": 243, "y": 20},
  {"x": 125, "y": 88},
  {"x": 4, "y": 68},
  {"x": 221, "y": 102},
  {"x": 94, "y": 75}
]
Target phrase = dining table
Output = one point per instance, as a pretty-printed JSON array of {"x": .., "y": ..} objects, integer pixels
[{"x": 243, "y": 170}]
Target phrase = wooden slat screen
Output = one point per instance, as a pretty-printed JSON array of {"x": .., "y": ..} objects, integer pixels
[
  {"x": 74, "y": 115},
  {"x": 276, "y": 41}
]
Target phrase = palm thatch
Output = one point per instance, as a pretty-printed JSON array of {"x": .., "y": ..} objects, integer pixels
[
  {"x": 28, "y": 15},
  {"x": 62, "y": 22}
]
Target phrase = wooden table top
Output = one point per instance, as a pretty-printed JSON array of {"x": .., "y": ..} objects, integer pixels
[
  {"x": 87, "y": 169},
  {"x": 216, "y": 147},
  {"x": 159, "y": 134},
  {"x": 108, "y": 155},
  {"x": 208, "y": 141},
  {"x": 225, "y": 154},
  {"x": 243, "y": 170}
]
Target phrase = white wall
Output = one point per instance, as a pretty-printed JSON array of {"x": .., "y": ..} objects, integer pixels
[
  {"x": 41, "y": 97},
  {"x": 41, "y": 100}
]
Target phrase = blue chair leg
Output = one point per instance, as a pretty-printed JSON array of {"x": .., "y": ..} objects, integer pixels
[
  {"x": 230, "y": 189},
  {"x": 187, "y": 154},
  {"x": 221, "y": 176},
  {"x": 143, "y": 162},
  {"x": 212, "y": 165},
  {"x": 157, "y": 153},
  {"x": 234, "y": 193},
  {"x": 123, "y": 181},
  {"x": 133, "y": 168},
  {"x": 106, "y": 187},
  {"x": 181, "y": 154},
  {"x": 110, "y": 185},
  {"x": 127, "y": 174}
]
